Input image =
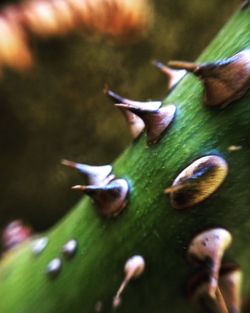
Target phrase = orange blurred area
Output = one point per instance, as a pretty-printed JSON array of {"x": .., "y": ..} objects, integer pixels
[{"x": 45, "y": 18}]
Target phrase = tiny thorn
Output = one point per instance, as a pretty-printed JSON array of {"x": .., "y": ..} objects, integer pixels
[
  {"x": 134, "y": 267},
  {"x": 115, "y": 96},
  {"x": 119, "y": 99},
  {"x": 156, "y": 120},
  {"x": 110, "y": 199},
  {"x": 116, "y": 302},
  {"x": 220, "y": 301},
  {"x": 69, "y": 163},
  {"x": 139, "y": 108},
  {"x": 158, "y": 64},
  {"x": 136, "y": 124},
  {"x": 181, "y": 65},
  {"x": 208, "y": 248},
  {"x": 96, "y": 174},
  {"x": 224, "y": 81},
  {"x": 227, "y": 296},
  {"x": 78, "y": 187},
  {"x": 230, "y": 283},
  {"x": 173, "y": 76}
]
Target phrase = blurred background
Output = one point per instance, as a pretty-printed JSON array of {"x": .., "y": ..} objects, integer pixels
[{"x": 58, "y": 109}]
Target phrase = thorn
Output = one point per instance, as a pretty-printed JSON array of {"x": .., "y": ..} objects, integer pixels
[
  {"x": 110, "y": 199},
  {"x": 197, "y": 181},
  {"x": 173, "y": 76},
  {"x": 220, "y": 301},
  {"x": 136, "y": 124},
  {"x": 230, "y": 285},
  {"x": 96, "y": 174},
  {"x": 228, "y": 294},
  {"x": 152, "y": 105},
  {"x": 156, "y": 120},
  {"x": 134, "y": 267},
  {"x": 208, "y": 247},
  {"x": 224, "y": 81},
  {"x": 181, "y": 65}
]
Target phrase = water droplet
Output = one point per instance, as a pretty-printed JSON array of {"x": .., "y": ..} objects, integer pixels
[
  {"x": 54, "y": 267},
  {"x": 69, "y": 249},
  {"x": 39, "y": 245}
]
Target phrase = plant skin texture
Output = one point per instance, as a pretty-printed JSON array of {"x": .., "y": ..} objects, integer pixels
[{"x": 149, "y": 226}]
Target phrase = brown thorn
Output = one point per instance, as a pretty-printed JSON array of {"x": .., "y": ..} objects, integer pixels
[
  {"x": 136, "y": 124},
  {"x": 228, "y": 296},
  {"x": 134, "y": 267},
  {"x": 156, "y": 121},
  {"x": 181, "y": 65},
  {"x": 110, "y": 199},
  {"x": 173, "y": 76},
  {"x": 96, "y": 174},
  {"x": 117, "y": 98},
  {"x": 208, "y": 248},
  {"x": 220, "y": 301},
  {"x": 230, "y": 285},
  {"x": 225, "y": 80}
]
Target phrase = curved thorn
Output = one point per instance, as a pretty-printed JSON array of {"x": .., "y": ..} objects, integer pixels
[
  {"x": 228, "y": 295},
  {"x": 173, "y": 76},
  {"x": 208, "y": 247},
  {"x": 117, "y": 98},
  {"x": 110, "y": 199},
  {"x": 225, "y": 80},
  {"x": 134, "y": 267},
  {"x": 96, "y": 174},
  {"x": 136, "y": 124},
  {"x": 156, "y": 121},
  {"x": 181, "y": 65}
]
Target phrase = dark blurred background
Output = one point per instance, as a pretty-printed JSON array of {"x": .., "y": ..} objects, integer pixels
[{"x": 58, "y": 110}]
